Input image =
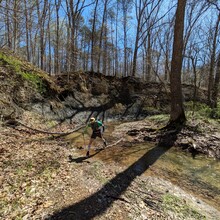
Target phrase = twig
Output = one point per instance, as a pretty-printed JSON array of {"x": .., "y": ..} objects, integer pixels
[
  {"x": 118, "y": 198},
  {"x": 111, "y": 145}
]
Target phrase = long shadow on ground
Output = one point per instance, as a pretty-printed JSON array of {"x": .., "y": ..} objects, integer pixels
[{"x": 100, "y": 201}]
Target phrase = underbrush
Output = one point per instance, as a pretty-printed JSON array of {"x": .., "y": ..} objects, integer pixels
[
  {"x": 201, "y": 110},
  {"x": 201, "y": 119}
]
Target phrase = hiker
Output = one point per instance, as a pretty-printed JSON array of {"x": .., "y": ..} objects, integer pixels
[{"x": 97, "y": 131}]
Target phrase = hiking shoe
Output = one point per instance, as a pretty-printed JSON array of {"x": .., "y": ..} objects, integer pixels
[{"x": 87, "y": 154}]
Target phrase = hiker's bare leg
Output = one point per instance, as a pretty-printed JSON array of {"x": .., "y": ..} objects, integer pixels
[
  {"x": 89, "y": 146},
  {"x": 103, "y": 139},
  {"x": 91, "y": 140}
]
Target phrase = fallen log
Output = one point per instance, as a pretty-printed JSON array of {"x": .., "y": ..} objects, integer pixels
[{"x": 59, "y": 134}]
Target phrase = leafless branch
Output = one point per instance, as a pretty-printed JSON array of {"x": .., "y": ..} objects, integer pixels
[{"x": 214, "y": 3}]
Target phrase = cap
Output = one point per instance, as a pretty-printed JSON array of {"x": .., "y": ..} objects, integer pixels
[{"x": 92, "y": 119}]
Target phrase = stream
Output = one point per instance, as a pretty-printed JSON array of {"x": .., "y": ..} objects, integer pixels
[{"x": 197, "y": 175}]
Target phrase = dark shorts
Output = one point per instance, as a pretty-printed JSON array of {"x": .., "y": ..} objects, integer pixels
[{"x": 96, "y": 134}]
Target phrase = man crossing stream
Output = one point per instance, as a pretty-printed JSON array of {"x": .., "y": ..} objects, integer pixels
[{"x": 97, "y": 131}]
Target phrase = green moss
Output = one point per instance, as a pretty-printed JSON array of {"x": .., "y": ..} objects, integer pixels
[
  {"x": 17, "y": 66},
  {"x": 179, "y": 207},
  {"x": 35, "y": 80},
  {"x": 12, "y": 62}
]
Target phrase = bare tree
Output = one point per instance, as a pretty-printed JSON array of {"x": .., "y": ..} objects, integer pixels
[
  {"x": 93, "y": 35},
  {"x": 116, "y": 40},
  {"x": 213, "y": 87},
  {"x": 216, "y": 84},
  {"x": 125, "y": 7},
  {"x": 165, "y": 35},
  {"x": 177, "y": 114},
  {"x": 102, "y": 32},
  {"x": 42, "y": 14},
  {"x": 74, "y": 12},
  {"x": 193, "y": 58},
  {"x": 48, "y": 41},
  {"x": 146, "y": 16},
  {"x": 15, "y": 25},
  {"x": 140, "y": 7},
  {"x": 195, "y": 10},
  {"x": 213, "y": 61},
  {"x": 27, "y": 25},
  {"x": 8, "y": 25},
  {"x": 57, "y": 39}
]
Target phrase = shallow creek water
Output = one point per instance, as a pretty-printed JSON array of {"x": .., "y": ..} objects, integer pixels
[{"x": 199, "y": 176}]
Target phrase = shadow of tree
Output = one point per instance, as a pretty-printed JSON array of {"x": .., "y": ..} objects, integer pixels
[{"x": 100, "y": 201}]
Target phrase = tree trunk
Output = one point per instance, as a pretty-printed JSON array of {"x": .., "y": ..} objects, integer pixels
[
  {"x": 212, "y": 63},
  {"x": 8, "y": 26},
  {"x": 41, "y": 22},
  {"x": 93, "y": 36},
  {"x": 134, "y": 64},
  {"x": 57, "y": 45},
  {"x": 139, "y": 17},
  {"x": 105, "y": 52},
  {"x": 49, "y": 63},
  {"x": 216, "y": 84},
  {"x": 149, "y": 63},
  {"x": 124, "y": 5},
  {"x": 72, "y": 37},
  {"x": 116, "y": 43},
  {"x": 27, "y": 31},
  {"x": 177, "y": 114},
  {"x": 15, "y": 25},
  {"x": 101, "y": 34}
]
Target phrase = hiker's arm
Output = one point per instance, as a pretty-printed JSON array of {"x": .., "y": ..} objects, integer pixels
[{"x": 85, "y": 131}]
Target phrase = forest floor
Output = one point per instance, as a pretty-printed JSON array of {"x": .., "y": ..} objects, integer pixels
[{"x": 39, "y": 179}]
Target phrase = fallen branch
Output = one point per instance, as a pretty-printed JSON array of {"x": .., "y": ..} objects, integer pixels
[
  {"x": 115, "y": 143},
  {"x": 60, "y": 134}
]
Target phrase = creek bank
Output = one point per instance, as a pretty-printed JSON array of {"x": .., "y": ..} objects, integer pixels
[{"x": 195, "y": 137}]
